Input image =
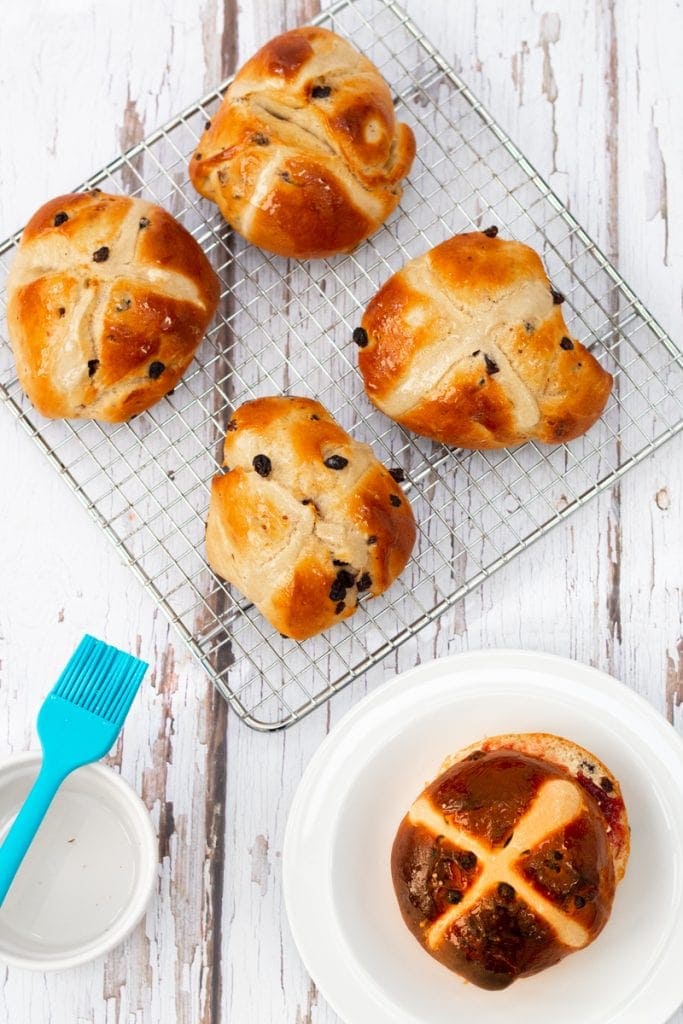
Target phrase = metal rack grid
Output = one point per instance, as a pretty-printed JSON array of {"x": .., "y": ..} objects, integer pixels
[{"x": 286, "y": 327}]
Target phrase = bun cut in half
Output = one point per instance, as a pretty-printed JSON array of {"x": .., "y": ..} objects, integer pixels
[{"x": 509, "y": 860}]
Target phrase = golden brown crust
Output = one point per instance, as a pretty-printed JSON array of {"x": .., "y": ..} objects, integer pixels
[
  {"x": 306, "y": 520},
  {"x": 283, "y": 56},
  {"x": 466, "y": 345},
  {"x": 508, "y": 861},
  {"x": 108, "y": 299},
  {"x": 304, "y": 156}
]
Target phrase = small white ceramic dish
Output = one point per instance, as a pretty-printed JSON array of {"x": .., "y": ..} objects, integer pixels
[
  {"x": 89, "y": 875},
  {"x": 356, "y": 789}
]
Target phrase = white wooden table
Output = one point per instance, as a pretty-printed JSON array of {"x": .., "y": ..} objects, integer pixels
[{"x": 591, "y": 93}]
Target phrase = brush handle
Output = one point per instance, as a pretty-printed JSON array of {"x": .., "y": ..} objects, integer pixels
[{"x": 27, "y": 823}]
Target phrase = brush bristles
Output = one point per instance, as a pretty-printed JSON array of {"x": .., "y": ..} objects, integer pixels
[{"x": 100, "y": 679}]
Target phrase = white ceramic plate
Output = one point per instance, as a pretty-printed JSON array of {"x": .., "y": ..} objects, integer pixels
[{"x": 337, "y": 881}]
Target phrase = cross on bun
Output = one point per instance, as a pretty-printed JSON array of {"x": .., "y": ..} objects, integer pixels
[
  {"x": 467, "y": 345},
  {"x": 304, "y": 156},
  {"x": 306, "y": 520},
  {"x": 509, "y": 860},
  {"x": 108, "y": 299}
]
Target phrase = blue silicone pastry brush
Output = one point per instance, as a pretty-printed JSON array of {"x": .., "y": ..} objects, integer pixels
[{"x": 78, "y": 723}]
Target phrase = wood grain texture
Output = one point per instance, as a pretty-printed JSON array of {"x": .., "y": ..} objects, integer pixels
[{"x": 591, "y": 93}]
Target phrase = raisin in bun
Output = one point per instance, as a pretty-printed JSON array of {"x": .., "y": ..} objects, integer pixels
[
  {"x": 508, "y": 861},
  {"x": 109, "y": 298},
  {"x": 307, "y": 520},
  {"x": 304, "y": 157},
  {"x": 467, "y": 345}
]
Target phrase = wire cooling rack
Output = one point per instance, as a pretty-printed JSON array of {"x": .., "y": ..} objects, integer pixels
[{"x": 286, "y": 327}]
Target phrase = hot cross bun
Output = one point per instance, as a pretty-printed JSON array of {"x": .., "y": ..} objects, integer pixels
[
  {"x": 305, "y": 157},
  {"x": 467, "y": 344},
  {"x": 509, "y": 860},
  {"x": 109, "y": 298},
  {"x": 307, "y": 520}
]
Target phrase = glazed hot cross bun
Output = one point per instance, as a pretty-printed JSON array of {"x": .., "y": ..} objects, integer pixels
[
  {"x": 304, "y": 157},
  {"x": 467, "y": 344},
  {"x": 509, "y": 860},
  {"x": 306, "y": 520},
  {"x": 109, "y": 298}
]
